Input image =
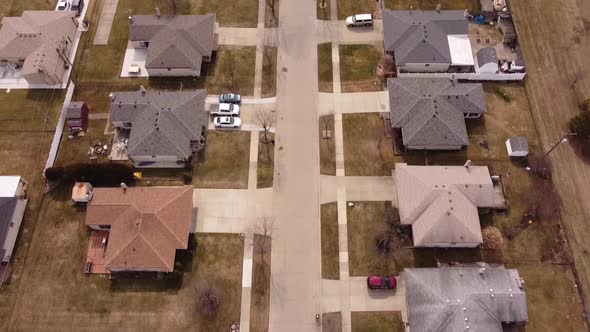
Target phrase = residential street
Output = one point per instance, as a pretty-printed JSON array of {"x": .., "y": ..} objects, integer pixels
[{"x": 295, "y": 272}]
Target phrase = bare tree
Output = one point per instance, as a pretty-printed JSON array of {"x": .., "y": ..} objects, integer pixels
[
  {"x": 208, "y": 300},
  {"x": 492, "y": 238},
  {"x": 261, "y": 235},
  {"x": 271, "y": 5},
  {"x": 266, "y": 120}
]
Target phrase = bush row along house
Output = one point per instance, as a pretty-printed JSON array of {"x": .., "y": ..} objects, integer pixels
[{"x": 40, "y": 43}]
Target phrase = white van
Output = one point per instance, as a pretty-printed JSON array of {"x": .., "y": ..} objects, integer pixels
[{"x": 359, "y": 20}]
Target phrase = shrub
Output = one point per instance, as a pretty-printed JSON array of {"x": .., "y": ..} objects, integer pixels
[
  {"x": 208, "y": 301},
  {"x": 503, "y": 94},
  {"x": 105, "y": 175},
  {"x": 492, "y": 238},
  {"x": 54, "y": 173},
  {"x": 580, "y": 124}
]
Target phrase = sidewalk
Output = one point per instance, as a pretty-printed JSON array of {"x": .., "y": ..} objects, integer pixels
[{"x": 105, "y": 23}]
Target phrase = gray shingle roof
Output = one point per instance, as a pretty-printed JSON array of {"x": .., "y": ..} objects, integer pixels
[
  {"x": 430, "y": 111},
  {"x": 74, "y": 109},
  {"x": 178, "y": 41},
  {"x": 519, "y": 143},
  {"x": 421, "y": 36},
  {"x": 7, "y": 207},
  {"x": 449, "y": 299},
  {"x": 163, "y": 123},
  {"x": 486, "y": 55}
]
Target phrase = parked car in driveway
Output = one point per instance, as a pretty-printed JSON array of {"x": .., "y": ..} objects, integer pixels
[
  {"x": 227, "y": 122},
  {"x": 230, "y": 98},
  {"x": 381, "y": 282},
  {"x": 62, "y": 5},
  {"x": 359, "y": 20},
  {"x": 225, "y": 109}
]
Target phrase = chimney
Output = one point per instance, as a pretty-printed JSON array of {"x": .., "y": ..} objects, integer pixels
[
  {"x": 157, "y": 12},
  {"x": 130, "y": 18},
  {"x": 467, "y": 163}
]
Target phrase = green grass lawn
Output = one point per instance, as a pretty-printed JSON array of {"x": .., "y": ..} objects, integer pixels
[
  {"x": 377, "y": 321},
  {"x": 472, "y": 5},
  {"x": 365, "y": 221},
  {"x": 327, "y": 145},
  {"x": 269, "y": 72},
  {"x": 226, "y": 161},
  {"x": 325, "y": 70},
  {"x": 358, "y": 65},
  {"x": 329, "y": 236},
  {"x": 265, "y": 171},
  {"x": 351, "y": 7},
  {"x": 367, "y": 151},
  {"x": 260, "y": 296}
]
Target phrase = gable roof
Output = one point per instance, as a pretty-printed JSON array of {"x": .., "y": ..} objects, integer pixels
[
  {"x": 440, "y": 202},
  {"x": 450, "y": 299},
  {"x": 148, "y": 225},
  {"x": 421, "y": 36},
  {"x": 430, "y": 111},
  {"x": 179, "y": 41},
  {"x": 163, "y": 122},
  {"x": 7, "y": 208},
  {"x": 486, "y": 55},
  {"x": 34, "y": 37}
]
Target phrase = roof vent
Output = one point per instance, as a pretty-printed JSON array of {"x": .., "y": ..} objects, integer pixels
[
  {"x": 112, "y": 96},
  {"x": 130, "y": 18},
  {"x": 467, "y": 163},
  {"x": 481, "y": 270},
  {"x": 438, "y": 7},
  {"x": 158, "y": 12},
  {"x": 142, "y": 89}
]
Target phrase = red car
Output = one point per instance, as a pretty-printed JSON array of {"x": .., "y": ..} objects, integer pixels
[{"x": 386, "y": 282}]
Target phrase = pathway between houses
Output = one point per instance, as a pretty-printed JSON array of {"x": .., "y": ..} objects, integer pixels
[{"x": 105, "y": 23}]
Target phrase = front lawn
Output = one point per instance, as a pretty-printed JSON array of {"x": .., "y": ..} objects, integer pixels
[
  {"x": 377, "y": 321},
  {"x": 368, "y": 150},
  {"x": 352, "y": 7},
  {"x": 358, "y": 68},
  {"x": 232, "y": 70},
  {"x": 225, "y": 162}
]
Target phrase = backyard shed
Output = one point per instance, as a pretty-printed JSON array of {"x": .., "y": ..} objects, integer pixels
[
  {"x": 517, "y": 146},
  {"x": 77, "y": 116},
  {"x": 486, "y": 61}
]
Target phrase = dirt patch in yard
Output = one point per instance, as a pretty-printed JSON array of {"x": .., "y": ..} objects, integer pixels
[
  {"x": 367, "y": 148},
  {"x": 269, "y": 72},
  {"x": 472, "y": 5},
  {"x": 327, "y": 145},
  {"x": 325, "y": 70},
  {"x": 329, "y": 236},
  {"x": 358, "y": 68},
  {"x": 266, "y": 159},
  {"x": 225, "y": 161},
  {"x": 382, "y": 321}
]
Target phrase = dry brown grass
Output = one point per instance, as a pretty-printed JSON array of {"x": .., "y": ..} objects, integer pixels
[
  {"x": 260, "y": 300},
  {"x": 472, "y": 5},
  {"x": 76, "y": 150},
  {"x": 365, "y": 221},
  {"x": 269, "y": 72},
  {"x": 226, "y": 161},
  {"x": 270, "y": 20},
  {"x": 329, "y": 237},
  {"x": 358, "y": 68},
  {"x": 332, "y": 321},
  {"x": 367, "y": 151},
  {"x": 323, "y": 13},
  {"x": 327, "y": 145},
  {"x": 265, "y": 172},
  {"x": 325, "y": 70},
  {"x": 382, "y": 321},
  {"x": 351, "y": 7}
]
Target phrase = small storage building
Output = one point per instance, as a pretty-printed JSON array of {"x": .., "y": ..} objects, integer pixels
[
  {"x": 517, "y": 146},
  {"x": 486, "y": 61},
  {"x": 77, "y": 116}
]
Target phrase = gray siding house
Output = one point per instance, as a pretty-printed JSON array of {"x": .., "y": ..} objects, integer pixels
[
  {"x": 428, "y": 41},
  {"x": 176, "y": 45},
  {"x": 13, "y": 202},
  {"x": 165, "y": 129},
  {"x": 431, "y": 112}
]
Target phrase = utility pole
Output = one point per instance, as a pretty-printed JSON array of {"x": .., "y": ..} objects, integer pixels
[{"x": 563, "y": 139}]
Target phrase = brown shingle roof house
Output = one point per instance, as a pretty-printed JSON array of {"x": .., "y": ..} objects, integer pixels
[
  {"x": 40, "y": 42},
  {"x": 147, "y": 225},
  {"x": 441, "y": 203}
]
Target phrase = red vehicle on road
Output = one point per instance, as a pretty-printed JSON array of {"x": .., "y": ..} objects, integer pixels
[{"x": 381, "y": 282}]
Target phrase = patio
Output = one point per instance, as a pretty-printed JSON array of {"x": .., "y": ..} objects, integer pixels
[
  {"x": 134, "y": 57},
  {"x": 95, "y": 258}
]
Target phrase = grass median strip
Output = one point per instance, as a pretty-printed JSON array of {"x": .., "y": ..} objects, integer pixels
[{"x": 329, "y": 235}]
